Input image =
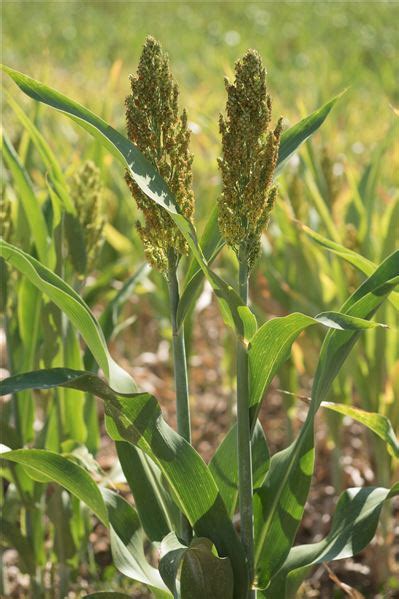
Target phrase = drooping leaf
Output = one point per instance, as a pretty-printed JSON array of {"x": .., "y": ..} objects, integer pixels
[
  {"x": 353, "y": 526},
  {"x": 127, "y": 544},
  {"x": 271, "y": 345},
  {"x": 46, "y": 465},
  {"x": 279, "y": 504},
  {"x": 137, "y": 419},
  {"x": 73, "y": 306},
  {"x": 377, "y": 423}
]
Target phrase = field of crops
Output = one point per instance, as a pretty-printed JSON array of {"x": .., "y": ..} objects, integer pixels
[{"x": 199, "y": 313}]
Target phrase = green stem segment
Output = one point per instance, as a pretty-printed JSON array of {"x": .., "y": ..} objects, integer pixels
[
  {"x": 180, "y": 373},
  {"x": 244, "y": 433}
]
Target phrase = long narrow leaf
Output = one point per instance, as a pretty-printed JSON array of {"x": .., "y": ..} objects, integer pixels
[
  {"x": 73, "y": 306},
  {"x": 279, "y": 504},
  {"x": 63, "y": 471},
  {"x": 29, "y": 201},
  {"x": 377, "y": 423},
  {"x": 271, "y": 345},
  {"x": 137, "y": 419},
  {"x": 296, "y": 135},
  {"x": 127, "y": 544},
  {"x": 353, "y": 526},
  {"x": 224, "y": 465}
]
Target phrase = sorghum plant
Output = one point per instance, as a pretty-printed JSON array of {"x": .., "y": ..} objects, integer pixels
[
  {"x": 250, "y": 153},
  {"x": 155, "y": 127},
  {"x": 165, "y": 473}
]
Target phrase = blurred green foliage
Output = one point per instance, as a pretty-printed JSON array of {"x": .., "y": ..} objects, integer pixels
[{"x": 312, "y": 50}]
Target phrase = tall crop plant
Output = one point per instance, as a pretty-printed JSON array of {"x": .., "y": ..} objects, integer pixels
[{"x": 184, "y": 507}]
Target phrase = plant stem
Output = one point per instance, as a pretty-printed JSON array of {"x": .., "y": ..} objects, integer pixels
[
  {"x": 244, "y": 433},
  {"x": 180, "y": 374}
]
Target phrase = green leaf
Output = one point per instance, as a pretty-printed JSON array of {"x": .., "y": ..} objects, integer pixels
[
  {"x": 30, "y": 203},
  {"x": 58, "y": 511},
  {"x": 151, "y": 497},
  {"x": 234, "y": 312},
  {"x": 202, "y": 572},
  {"x": 73, "y": 402},
  {"x": 365, "y": 266},
  {"x": 211, "y": 244},
  {"x": 224, "y": 465},
  {"x": 127, "y": 544},
  {"x": 138, "y": 420},
  {"x": 68, "y": 474},
  {"x": 109, "y": 317},
  {"x": 13, "y": 538},
  {"x": 279, "y": 504},
  {"x": 353, "y": 527},
  {"x": 73, "y": 306},
  {"x": 29, "y": 305},
  {"x": 75, "y": 239},
  {"x": 46, "y": 153},
  {"x": 172, "y": 551},
  {"x": 377, "y": 423},
  {"x": 363, "y": 303},
  {"x": 293, "y": 137},
  {"x": 271, "y": 345}
]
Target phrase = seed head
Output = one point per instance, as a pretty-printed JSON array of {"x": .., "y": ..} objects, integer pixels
[
  {"x": 155, "y": 127},
  {"x": 86, "y": 193},
  {"x": 249, "y": 156}
]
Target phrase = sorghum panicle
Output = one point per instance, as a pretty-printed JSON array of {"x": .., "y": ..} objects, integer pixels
[
  {"x": 155, "y": 127},
  {"x": 250, "y": 151},
  {"x": 86, "y": 193}
]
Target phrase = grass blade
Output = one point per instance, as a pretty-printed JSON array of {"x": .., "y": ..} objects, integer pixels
[
  {"x": 71, "y": 476},
  {"x": 137, "y": 418},
  {"x": 353, "y": 527},
  {"x": 73, "y": 306},
  {"x": 279, "y": 504}
]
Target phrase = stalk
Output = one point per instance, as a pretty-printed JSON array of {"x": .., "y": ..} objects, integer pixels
[
  {"x": 244, "y": 433},
  {"x": 180, "y": 374}
]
